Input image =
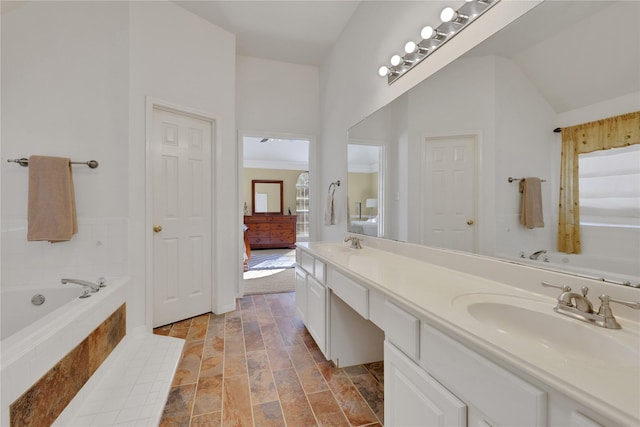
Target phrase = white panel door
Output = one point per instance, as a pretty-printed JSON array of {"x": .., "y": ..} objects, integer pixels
[
  {"x": 448, "y": 181},
  {"x": 181, "y": 173},
  {"x": 412, "y": 398}
]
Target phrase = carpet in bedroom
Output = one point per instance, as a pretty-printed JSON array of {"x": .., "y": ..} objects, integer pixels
[{"x": 273, "y": 280}]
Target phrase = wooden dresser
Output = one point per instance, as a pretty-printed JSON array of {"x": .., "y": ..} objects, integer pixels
[{"x": 271, "y": 231}]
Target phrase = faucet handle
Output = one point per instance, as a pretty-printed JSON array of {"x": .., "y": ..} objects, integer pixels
[
  {"x": 606, "y": 299},
  {"x": 564, "y": 288}
]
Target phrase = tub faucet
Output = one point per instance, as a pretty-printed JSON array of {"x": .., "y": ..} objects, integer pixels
[
  {"x": 93, "y": 286},
  {"x": 355, "y": 242},
  {"x": 537, "y": 254}
]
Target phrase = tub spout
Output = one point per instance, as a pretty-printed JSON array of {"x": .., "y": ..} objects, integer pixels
[
  {"x": 537, "y": 254},
  {"x": 93, "y": 286}
]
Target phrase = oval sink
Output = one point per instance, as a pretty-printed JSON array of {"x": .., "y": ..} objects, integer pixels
[
  {"x": 332, "y": 248},
  {"x": 535, "y": 321}
]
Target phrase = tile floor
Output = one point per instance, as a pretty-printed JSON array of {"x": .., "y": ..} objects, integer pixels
[{"x": 258, "y": 366}]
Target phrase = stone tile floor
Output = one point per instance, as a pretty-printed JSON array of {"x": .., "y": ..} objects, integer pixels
[{"x": 258, "y": 366}]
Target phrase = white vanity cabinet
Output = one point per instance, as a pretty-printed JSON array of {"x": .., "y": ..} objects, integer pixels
[
  {"x": 436, "y": 372},
  {"x": 301, "y": 292},
  {"x": 311, "y": 297},
  {"x": 413, "y": 398},
  {"x": 317, "y": 312}
]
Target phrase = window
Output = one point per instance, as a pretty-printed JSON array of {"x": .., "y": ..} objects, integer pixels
[
  {"x": 610, "y": 187},
  {"x": 302, "y": 206}
]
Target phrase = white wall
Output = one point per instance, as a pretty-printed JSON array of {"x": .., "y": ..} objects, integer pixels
[
  {"x": 180, "y": 58},
  {"x": 75, "y": 78},
  {"x": 276, "y": 96},
  {"x": 351, "y": 89},
  {"x": 65, "y": 93}
]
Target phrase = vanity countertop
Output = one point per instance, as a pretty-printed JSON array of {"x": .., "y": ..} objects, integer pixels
[{"x": 601, "y": 372}]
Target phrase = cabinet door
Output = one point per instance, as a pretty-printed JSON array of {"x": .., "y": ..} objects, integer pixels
[
  {"x": 301, "y": 293},
  {"x": 413, "y": 398},
  {"x": 316, "y": 311}
]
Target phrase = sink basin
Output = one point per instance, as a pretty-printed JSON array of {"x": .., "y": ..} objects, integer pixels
[
  {"x": 533, "y": 322},
  {"x": 332, "y": 248}
]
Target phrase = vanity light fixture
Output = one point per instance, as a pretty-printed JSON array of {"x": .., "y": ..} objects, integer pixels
[{"x": 453, "y": 21}]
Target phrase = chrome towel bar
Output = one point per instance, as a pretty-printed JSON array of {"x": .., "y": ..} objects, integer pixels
[{"x": 25, "y": 162}]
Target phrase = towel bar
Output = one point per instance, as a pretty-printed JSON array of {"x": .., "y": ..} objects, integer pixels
[
  {"x": 510, "y": 179},
  {"x": 25, "y": 162}
]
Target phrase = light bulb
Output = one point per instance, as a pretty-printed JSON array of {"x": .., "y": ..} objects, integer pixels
[
  {"x": 410, "y": 47},
  {"x": 427, "y": 32},
  {"x": 396, "y": 60},
  {"x": 447, "y": 14},
  {"x": 383, "y": 71}
]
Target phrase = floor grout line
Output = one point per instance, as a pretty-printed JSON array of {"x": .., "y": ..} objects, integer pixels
[{"x": 278, "y": 313}]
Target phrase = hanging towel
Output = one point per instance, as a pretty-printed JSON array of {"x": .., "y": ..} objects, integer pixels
[
  {"x": 52, "y": 203},
  {"x": 330, "y": 213},
  {"x": 531, "y": 206}
]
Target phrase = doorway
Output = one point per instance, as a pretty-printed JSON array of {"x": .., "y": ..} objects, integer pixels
[{"x": 269, "y": 265}]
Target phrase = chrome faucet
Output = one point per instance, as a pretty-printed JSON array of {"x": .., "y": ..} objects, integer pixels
[
  {"x": 579, "y": 307},
  {"x": 93, "y": 286},
  {"x": 537, "y": 254},
  {"x": 355, "y": 242}
]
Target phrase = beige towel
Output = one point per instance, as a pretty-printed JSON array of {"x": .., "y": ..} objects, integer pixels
[
  {"x": 52, "y": 203},
  {"x": 531, "y": 207},
  {"x": 330, "y": 213}
]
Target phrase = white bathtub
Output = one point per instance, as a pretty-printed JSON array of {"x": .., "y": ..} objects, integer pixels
[
  {"x": 29, "y": 352},
  {"x": 18, "y": 311},
  {"x": 614, "y": 270}
]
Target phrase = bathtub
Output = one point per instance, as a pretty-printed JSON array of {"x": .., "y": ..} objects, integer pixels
[
  {"x": 18, "y": 311},
  {"x": 35, "y": 340},
  {"x": 614, "y": 270}
]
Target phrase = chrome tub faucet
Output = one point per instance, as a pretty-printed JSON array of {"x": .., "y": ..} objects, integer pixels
[
  {"x": 537, "y": 254},
  {"x": 94, "y": 287}
]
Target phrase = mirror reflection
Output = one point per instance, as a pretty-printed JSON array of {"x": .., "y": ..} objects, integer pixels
[
  {"x": 453, "y": 142},
  {"x": 266, "y": 197},
  {"x": 365, "y": 191}
]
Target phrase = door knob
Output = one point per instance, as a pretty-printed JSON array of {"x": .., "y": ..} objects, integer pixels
[
  {"x": 469, "y": 222},
  {"x": 157, "y": 228}
]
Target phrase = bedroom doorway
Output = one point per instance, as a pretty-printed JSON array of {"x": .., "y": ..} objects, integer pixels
[{"x": 269, "y": 239}]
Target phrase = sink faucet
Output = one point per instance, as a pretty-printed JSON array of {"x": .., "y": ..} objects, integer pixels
[
  {"x": 537, "y": 254},
  {"x": 93, "y": 286},
  {"x": 579, "y": 307},
  {"x": 355, "y": 242}
]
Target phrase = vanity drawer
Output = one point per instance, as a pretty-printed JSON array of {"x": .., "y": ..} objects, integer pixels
[
  {"x": 306, "y": 262},
  {"x": 402, "y": 329},
  {"x": 319, "y": 271},
  {"x": 355, "y": 295},
  {"x": 502, "y": 397}
]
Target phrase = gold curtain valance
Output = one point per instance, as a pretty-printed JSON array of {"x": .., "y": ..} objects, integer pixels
[{"x": 614, "y": 132}]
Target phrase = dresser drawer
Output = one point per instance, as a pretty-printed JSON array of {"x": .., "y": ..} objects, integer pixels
[
  {"x": 504, "y": 398},
  {"x": 354, "y": 294},
  {"x": 280, "y": 226},
  {"x": 256, "y": 227}
]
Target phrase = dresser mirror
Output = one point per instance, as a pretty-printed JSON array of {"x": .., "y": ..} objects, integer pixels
[
  {"x": 266, "y": 197},
  {"x": 561, "y": 64}
]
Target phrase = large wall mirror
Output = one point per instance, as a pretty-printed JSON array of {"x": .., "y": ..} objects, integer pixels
[
  {"x": 453, "y": 141},
  {"x": 365, "y": 192},
  {"x": 266, "y": 197}
]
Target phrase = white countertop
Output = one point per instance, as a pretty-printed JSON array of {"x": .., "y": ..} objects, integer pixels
[{"x": 437, "y": 294}]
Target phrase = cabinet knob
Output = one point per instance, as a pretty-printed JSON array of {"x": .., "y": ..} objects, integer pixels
[
  {"x": 157, "y": 228},
  {"x": 469, "y": 222}
]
